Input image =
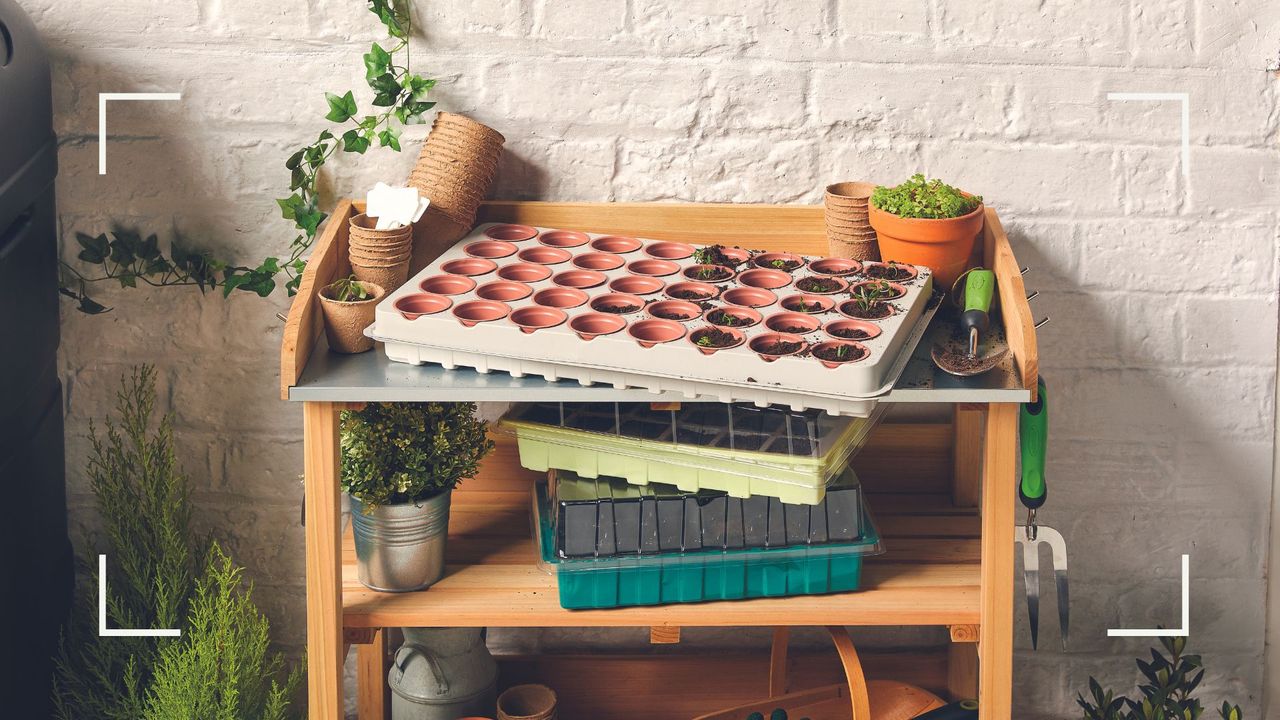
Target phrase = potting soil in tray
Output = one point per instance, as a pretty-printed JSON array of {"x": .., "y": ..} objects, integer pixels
[
  {"x": 607, "y": 517},
  {"x": 739, "y": 449},
  {"x": 483, "y": 304},
  {"x": 700, "y": 575}
]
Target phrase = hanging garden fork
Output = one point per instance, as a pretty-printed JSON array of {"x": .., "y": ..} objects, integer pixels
[{"x": 1033, "y": 431}]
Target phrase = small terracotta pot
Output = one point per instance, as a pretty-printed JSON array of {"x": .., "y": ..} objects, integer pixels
[
  {"x": 694, "y": 336},
  {"x": 503, "y": 291},
  {"x": 636, "y": 285},
  {"x": 655, "y": 332},
  {"x": 743, "y": 316},
  {"x": 563, "y": 238},
  {"x": 669, "y": 250},
  {"x": 603, "y": 262},
  {"x": 489, "y": 249},
  {"x": 470, "y": 267},
  {"x": 834, "y": 329},
  {"x": 792, "y": 323},
  {"x": 855, "y": 348},
  {"x": 344, "y": 322},
  {"x": 616, "y": 244},
  {"x": 561, "y": 297},
  {"x": 805, "y": 284},
  {"x": 592, "y": 325},
  {"x": 412, "y": 307},
  {"x": 544, "y": 255},
  {"x": 511, "y": 233},
  {"x": 677, "y": 310},
  {"x": 836, "y": 266},
  {"x": 913, "y": 273},
  {"x": 808, "y": 304},
  {"x": 652, "y": 267},
  {"x": 847, "y": 309},
  {"x": 942, "y": 245},
  {"x": 895, "y": 290},
  {"x": 535, "y": 317},
  {"x": 706, "y": 291},
  {"x": 527, "y": 702},
  {"x": 763, "y": 340},
  {"x": 768, "y": 260},
  {"x": 709, "y": 273},
  {"x": 767, "y": 279},
  {"x": 580, "y": 279},
  {"x": 448, "y": 284},
  {"x": 524, "y": 272},
  {"x": 735, "y": 255},
  {"x": 750, "y": 297},
  {"x": 615, "y": 303},
  {"x": 389, "y": 278},
  {"x": 474, "y": 312}
]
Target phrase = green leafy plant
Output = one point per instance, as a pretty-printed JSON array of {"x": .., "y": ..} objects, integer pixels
[
  {"x": 408, "y": 452},
  {"x": 920, "y": 198},
  {"x": 399, "y": 99},
  {"x": 142, "y": 496},
  {"x": 1166, "y": 694},
  {"x": 223, "y": 667},
  {"x": 348, "y": 289},
  {"x": 867, "y": 297}
]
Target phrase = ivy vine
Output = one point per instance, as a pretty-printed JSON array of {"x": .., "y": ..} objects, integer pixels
[{"x": 400, "y": 98}]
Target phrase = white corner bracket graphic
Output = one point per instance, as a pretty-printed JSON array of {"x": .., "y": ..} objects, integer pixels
[
  {"x": 102, "y": 118},
  {"x": 1185, "y": 99},
  {"x": 105, "y": 631},
  {"x": 1183, "y": 631}
]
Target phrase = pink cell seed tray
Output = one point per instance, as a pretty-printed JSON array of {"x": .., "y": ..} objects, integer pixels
[{"x": 771, "y": 328}]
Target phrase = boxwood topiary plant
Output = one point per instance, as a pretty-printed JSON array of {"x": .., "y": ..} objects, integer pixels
[
  {"x": 408, "y": 452},
  {"x": 921, "y": 198}
]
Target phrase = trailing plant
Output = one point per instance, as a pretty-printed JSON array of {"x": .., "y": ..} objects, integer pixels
[
  {"x": 223, "y": 667},
  {"x": 399, "y": 99},
  {"x": 348, "y": 289},
  {"x": 920, "y": 198},
  {"x": 1166, "y": 694},
  {"x": 408, "y": 452},
  {"x": 141, "y": 496}
]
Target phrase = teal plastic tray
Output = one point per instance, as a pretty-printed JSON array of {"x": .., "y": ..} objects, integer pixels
[{"x": 684, "y": 577}]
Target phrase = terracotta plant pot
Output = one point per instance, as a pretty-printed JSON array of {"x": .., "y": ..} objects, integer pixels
[
  {"x": 603, "y": 262},
  {"x": 618, "y": 304},
  {"x": 581, "y": 279},
  {"x": 844, "y": 329},
  {"x": 524, "y": 272},
  {"x": 448, "y": 284},
  {"x": 692, "y": 291},
  {"x": 532, "y": 318},
  {"x": 563, "y": 238},
  {"x": 489, "y": 249},
  {"x": 765, "y": 346},
  {"x": 808, "y": 304},
  {"x": 893, "y": 291},
  {"x": 732, "y": 316},
  {"x": 503, "y": 291},
  {"x": 560, "y": 297},
  {"x": 824, "y": 352},
  {"x": 767, "y": 279},
  {"x": 836, "y": 266},
  {"x": 655, "y": 332},
  {"x": 785, "y": 262},
  {"x": 942, "y": 245},
  {"x": 678, "y": 310},
  {"x": 592, "y": 325},
  {"x": 344, "y": 322},
  {"x": 696, "y": 339},
  {"x": 511, "y": 233},
  {"x": 470, "y": 267},
  {"x": 792, "y": 323},
  {"x": 479, "y": 311},
  {"x": 527, "y": 702},
  {"x": 653, "y": 267},
  {"x": 412, "y": 307},
  {"x": 821, "y": 285},
  {"x": 709, "y": 273},
  {"x": 636, "y": 285},
  {"x": 750, "y": 297},
  {"x": 544, "y": 255},
  {"x": 616, "y": 244},
  {"x": 669, "y": 250}
]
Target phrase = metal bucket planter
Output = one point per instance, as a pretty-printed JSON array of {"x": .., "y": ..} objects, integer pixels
[
  {"x": 400, "y": 548},
  {"x": 442, "y": 674}
]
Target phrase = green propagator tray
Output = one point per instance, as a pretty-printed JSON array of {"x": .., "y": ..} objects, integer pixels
[
  {"x": 667, "y": 578},
  {"x": 735, "y": 448}
]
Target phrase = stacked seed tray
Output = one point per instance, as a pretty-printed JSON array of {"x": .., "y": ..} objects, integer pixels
[
  {"x": 670, "y": 317},
  {"x": 700, "y": 501}
]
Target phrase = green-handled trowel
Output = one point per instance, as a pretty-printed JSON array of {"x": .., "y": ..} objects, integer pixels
[
  {"x": 975, "y": 320},
  {"x": 1033, "y": 432}
]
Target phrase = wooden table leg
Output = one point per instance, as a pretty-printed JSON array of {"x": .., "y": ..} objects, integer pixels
[
  {"x": 324, "y": 572},
  {"x": 995, "y": 634},
  {"x": 373, "y": 664}
]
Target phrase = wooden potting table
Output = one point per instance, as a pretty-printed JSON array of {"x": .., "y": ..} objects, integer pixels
[{"x": 942, "y": 492}]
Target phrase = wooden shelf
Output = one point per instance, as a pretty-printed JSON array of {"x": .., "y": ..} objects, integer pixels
[{"x": 929, "y": 576}]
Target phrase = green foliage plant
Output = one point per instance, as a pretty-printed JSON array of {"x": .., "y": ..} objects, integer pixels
[
  {"x": 347, "y": 289},
  {"x": 409, "y": 452},
  {"x": 223, "y": 668},
  {"x": 1166, "y": 693},
  {"x": 921, "y": 198},
  {"x": 399, "y": 99}
]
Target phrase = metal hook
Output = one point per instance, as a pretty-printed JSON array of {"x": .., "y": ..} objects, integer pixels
[
  {"x": 282, "y": 317},
  {"x": 1033, "y": 294},
  {"x": 1041, "y": 322},
  {"x": 1025, "y": 269}
]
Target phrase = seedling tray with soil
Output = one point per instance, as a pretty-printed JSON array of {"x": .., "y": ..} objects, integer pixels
[
  {"x": 489, "y": 310},
  {"x": 735, "y": 448}
]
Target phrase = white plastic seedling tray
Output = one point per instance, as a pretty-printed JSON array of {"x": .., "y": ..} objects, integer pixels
[{"x": 481, "y": 305}]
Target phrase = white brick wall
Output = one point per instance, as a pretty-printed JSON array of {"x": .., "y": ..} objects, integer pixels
[{"x": 1161, "y": 357}]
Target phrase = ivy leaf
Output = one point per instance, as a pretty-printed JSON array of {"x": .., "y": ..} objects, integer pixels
[
  {"x": 354, "y": 141},
  {"x": 390, "y": 138},
  {"x": 387, "y": 88},
  {"x": 376, "y": 62},
  {"x": 309, "y": 221},
  {"x": 291, "y": 206},
  {"x": 410, "y": 113},
  {"x": 128, "y": 280},
  {"x": 91, "y": 307},
  {"x": 122, "y": 248},
  {"x": 95, "y": 248},
  {"x": 149, "y": 249},
  {"x": 393, "y": 15},
  {"x": 294, "y": 160},
  {"x": 341, "y": 109},
  {"x": 418, "y": 87}
]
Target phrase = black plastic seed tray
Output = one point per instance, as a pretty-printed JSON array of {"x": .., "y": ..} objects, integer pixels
[{"x": 607, "y": 517}]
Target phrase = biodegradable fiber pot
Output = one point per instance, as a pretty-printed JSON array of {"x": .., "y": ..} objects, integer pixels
[
  {"x": 442, "y": 674},
  {"x": 944, "y": 245},
  {"x": 400, "y": 547},
  {"x": 527, "y": 702},
  {"x": 344, "y": 322}
]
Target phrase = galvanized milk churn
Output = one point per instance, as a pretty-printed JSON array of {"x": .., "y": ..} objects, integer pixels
[{"x": 443, "y": 674}]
